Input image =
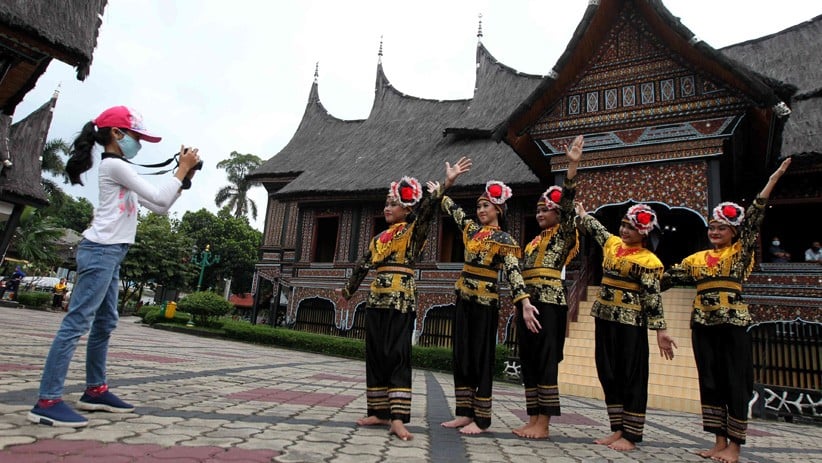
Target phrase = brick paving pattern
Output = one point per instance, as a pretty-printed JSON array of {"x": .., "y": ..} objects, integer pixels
[{"x": 212, "y": 400}]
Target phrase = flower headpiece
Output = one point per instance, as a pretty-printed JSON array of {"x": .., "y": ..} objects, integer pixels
[
  {"x": 642, "y": 217},
  {"x": 407, "y": 191},
  {"x": 729, "y": 213},
  {"x": 551, "y": 198},
  {"x": 496, "y": 192}
]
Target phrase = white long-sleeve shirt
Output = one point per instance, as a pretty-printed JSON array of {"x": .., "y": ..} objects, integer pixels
[{"x": 121, "y": 190}]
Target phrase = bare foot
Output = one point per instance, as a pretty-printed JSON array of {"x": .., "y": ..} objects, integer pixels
[
  {"x": 398, "y": 429},
  {"x": 718, "y": 447},
  {"x": 532, "y": 420},
  {"x": 622, "y": 444},
  {"x": 539, "y": 429},
  {"x": 372, "y": 421},
  {"x": 472, "y": 429},
  {"x": 610, "y": 439},
  {"x": 729, "y": 454},
  {"x": 458, "y": 422}
]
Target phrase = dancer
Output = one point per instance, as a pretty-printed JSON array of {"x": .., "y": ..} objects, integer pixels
[
  {"x": 119, "y": 131},
  {"x": 541, "y": 331},
  {"x": 488, "y": 248},
  {"x": 629, "y": 303},
  {"x": 391, "y": 305},
  {"x": 720, "y": 318}
]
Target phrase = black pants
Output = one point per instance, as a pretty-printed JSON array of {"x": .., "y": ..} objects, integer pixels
[
  {"x": 621, "y": 354},
  {"x": 539, "y": 355},
  {"x": 474, "y": 346},
  {"x": 388, "y": 363},
  {"x": 724, "y": 361}
]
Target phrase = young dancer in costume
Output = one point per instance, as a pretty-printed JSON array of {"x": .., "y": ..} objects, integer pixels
[
  {"x": 629, "y": 303},
  {"x": 541, "y": 331},
  {"x": 719, "y": 320},
  {"x": 488, "y": 249},
  {"x": 391, "y": 304}
]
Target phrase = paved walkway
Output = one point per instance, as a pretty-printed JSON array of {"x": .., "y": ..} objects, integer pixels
[{"x": 211, "y": 400}]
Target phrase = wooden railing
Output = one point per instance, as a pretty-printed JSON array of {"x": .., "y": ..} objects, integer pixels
[
  {"x": 436, "y": 328},
  {"x": 316, "y": 316},
  {"x": 788, "y": 354}
]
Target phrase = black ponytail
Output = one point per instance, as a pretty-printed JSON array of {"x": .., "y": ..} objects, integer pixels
[{"x": 81, "y": 160}]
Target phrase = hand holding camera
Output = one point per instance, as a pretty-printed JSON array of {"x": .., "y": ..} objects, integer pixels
[{"x": 190, "y": 162}]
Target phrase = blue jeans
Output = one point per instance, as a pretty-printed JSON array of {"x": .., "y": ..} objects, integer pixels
[{"x": 93, "y": 299}]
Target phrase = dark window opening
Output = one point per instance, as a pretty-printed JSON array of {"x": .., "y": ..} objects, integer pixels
[{"x": 325, "y": 239}]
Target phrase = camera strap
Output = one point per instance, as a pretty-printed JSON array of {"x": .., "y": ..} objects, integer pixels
[{"x": 168, "y": 161}]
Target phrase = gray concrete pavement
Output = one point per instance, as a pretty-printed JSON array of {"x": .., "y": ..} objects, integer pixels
[{"x": 212, "y": 400}]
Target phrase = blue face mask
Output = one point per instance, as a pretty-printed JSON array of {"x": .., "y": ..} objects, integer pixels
[{"x": 129, "y": 146}]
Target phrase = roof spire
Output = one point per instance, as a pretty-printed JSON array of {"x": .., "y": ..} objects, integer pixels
[
  {"x": 316, "y": 72},
  {"x": 479, "y": 30},
  {"x": 379, "y": 53},
  {"x": 57, "y": 91}
]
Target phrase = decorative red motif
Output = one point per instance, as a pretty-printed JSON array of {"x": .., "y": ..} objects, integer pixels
[
  {"x": 622, "y": 252},
  {"x": 407, "y": 193},
  {"x": 482, "y": 234},
  {"x": 555, "y": 196},
  {"x": 495, "y": 191},
  {"x": 644, "y": 218},
  {"x": 711, "y": 260},
  {"x": 729, "y": 212},
  {"x": 388, "y": 235}
]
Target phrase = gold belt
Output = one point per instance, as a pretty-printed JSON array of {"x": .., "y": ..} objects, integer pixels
[
  {"x": 719, "y": 285},
  {"x": 395, "y": 269},
  {"x": 621, "y": 284},
  {"x": 480, "y": 271}
]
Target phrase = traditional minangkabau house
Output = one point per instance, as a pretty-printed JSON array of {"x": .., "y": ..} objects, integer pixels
[
  {"x": 31, "y": 35},
  {"x": 667, "y": 120}
]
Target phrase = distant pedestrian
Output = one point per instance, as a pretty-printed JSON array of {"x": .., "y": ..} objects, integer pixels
[
  {"x": 119, "y": 131},
  {"x": 59, "y": 292}
]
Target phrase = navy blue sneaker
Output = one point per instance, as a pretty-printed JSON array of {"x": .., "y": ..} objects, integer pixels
[
  {"x": 106, "y": 402},
  {"x": 59, "y": 414}
]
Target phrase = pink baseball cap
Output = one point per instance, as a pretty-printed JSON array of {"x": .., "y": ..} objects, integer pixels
[{"x": 124, "y": 117}]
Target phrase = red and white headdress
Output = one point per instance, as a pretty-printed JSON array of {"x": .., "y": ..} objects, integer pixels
[
  {"x": 551, "y": 198},
  {"x": 641, "y": 217},
  {"x": 728, "y": 213},
  {"x": 496, "y": 192},
  {"x": 407, "y": 191}
]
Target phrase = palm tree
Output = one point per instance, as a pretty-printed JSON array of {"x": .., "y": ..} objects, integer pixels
[
  {"x": 52, "y": 162},
  {"x": 35, "y": 239},
  {"x": 235, "y": 195}
]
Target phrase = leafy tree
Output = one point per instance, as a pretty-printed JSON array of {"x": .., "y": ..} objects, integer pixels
[
  {"x": 233, "y": 239},
  {"x": 159, "y": 256},
  {"x": 73, "y": 213},
  {"x": 235, "y": 196}
]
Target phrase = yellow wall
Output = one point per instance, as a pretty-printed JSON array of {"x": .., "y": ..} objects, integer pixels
[{"x": 672, "y": 384}]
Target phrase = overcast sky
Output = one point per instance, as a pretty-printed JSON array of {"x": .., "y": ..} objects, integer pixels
[{"x": 235, "y": 76}]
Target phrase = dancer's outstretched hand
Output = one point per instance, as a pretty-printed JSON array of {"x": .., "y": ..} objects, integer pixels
[{"x": 452, "y": 172}]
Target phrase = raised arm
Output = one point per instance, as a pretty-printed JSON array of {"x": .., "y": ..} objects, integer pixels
[
  {"x": 453, "y": 172},
  {"x": 766, "y": 191},
  {"x": 574, "y": 154}
]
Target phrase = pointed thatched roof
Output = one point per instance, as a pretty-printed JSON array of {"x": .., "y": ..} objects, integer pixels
[
  {"x": 403, "y": 135},
  {"x": 599, "y": 18},
  {"x": 68, "y": 26},
  {"x": 21, "y": 183},
  {"x": 32, "y": 33},
  {"x": 792, "y": 56}
]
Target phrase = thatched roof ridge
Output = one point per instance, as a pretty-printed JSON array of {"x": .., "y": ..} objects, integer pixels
[
  {"x": 70, "y": 26},
  {"x": 498, "y": 89},
  {"x": 401, "y": 136},
  {"x": 597, "y": 19},
  {"x": 22, "y": 183}
]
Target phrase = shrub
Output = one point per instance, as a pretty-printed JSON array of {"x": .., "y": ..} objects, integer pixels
[
  {"x": 205, "y": 306},
  {"x": 34, "y": 298},
  {"x": 145, "y": 309},
  {"x": 158, "y": 315}
]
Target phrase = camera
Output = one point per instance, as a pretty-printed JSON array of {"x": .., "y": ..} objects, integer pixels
[{"x": 197, "y": 166}]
